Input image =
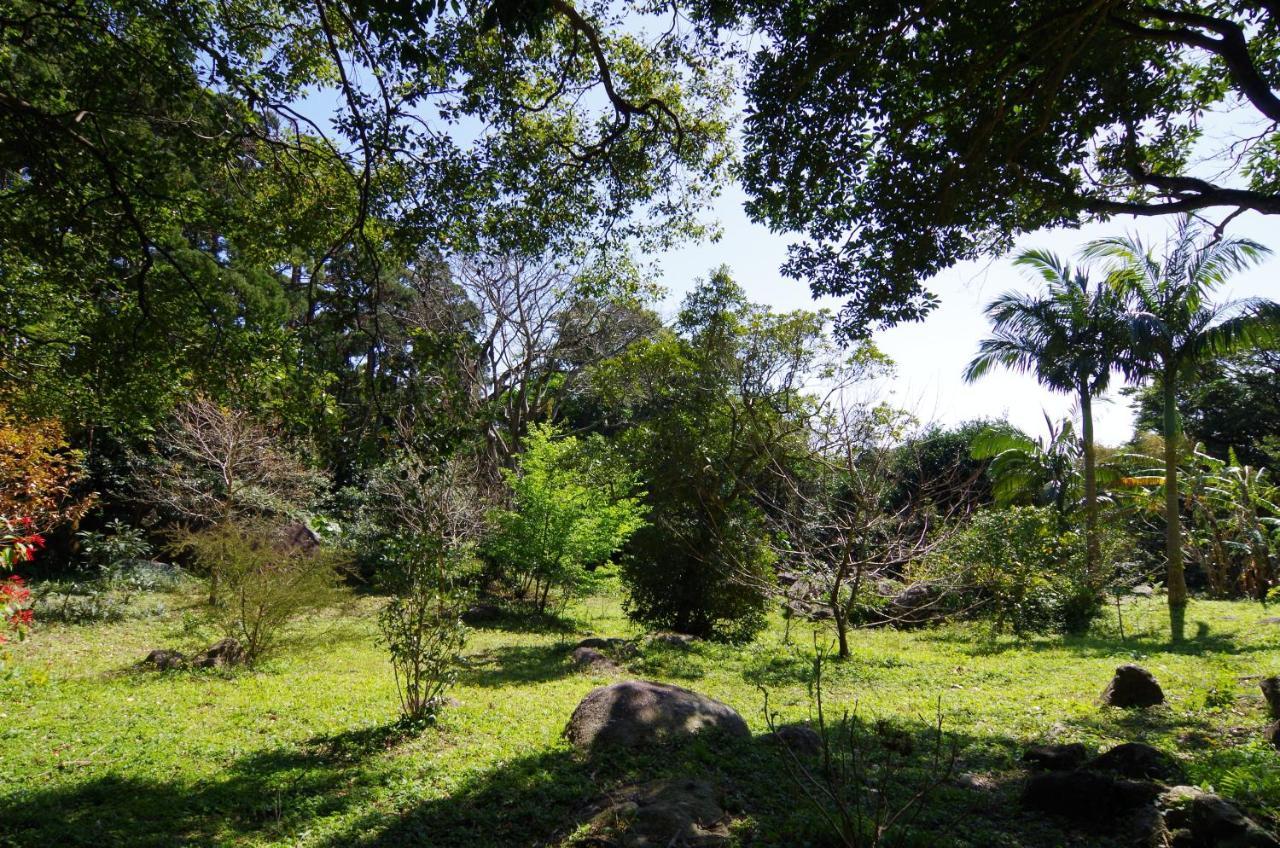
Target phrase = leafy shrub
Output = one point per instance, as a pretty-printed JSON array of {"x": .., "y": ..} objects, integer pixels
[
  {"x": 1017, "y": 567},
  {"x": 261, "y": 584},
  {"x": 115, "y": 550},
  {"x": 574, "y": 504}
]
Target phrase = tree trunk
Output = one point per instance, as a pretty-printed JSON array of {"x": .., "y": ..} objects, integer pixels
[
  {"x": 1176, "y": 582},
  {"x": 1093, "y": 549}
]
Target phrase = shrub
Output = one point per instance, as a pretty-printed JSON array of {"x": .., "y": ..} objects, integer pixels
[
  {"x": 574, "y": 504},
  {"x": 1017, "y": 567},
  {"x": 114, "y": 552},
  {"x": 262, "y": 585}
]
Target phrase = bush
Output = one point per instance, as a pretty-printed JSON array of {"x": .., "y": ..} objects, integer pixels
[
  {"x": 261, "y": 585},
  {"x": 1017, "y": 567}
]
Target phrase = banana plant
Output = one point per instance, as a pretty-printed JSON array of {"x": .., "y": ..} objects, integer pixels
[{"x": 1043, "y": 471}]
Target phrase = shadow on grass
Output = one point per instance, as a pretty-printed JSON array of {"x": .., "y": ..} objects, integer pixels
[
  {"x": 1098, "y": 644},
  {"x": 517, "y": 664},
  {"x": 323, "y": 792}
]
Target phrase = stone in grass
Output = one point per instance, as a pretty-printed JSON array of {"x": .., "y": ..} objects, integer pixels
[
  {"x": 1272, "y": 734},
  {"x": 591, "y": 659},
  {"x": 1209, "y": 820},
  {"x": 1056, "y": 757},
  {"x": 1139, "y": 761},
  {"x": 166, "y": 660},
  {"x": 1133, "y": 686},
  {"x": 228, "y": 652},
  {"x": 800, "y": 739},
  {"x": 635, "y": 713},
  {"x": 1271, "y": 691},
  {"x": 1087, "y": 796},
  {"x": 682, "y": 641},
  {"x": 661, "y": 813}
]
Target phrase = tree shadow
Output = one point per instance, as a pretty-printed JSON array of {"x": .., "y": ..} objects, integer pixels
[
  {"x": 512, "y": 665},
  {"x": 1096, "y": 644}
]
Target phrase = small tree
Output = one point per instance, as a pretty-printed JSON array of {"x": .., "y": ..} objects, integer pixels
[
  {"x": 434, "y": 517},
  {"x": 263, "y": 584},
  {"x": 573, "y": 505}
]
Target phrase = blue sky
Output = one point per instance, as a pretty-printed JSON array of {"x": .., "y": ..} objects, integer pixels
[{"x": 930, "y": 355}]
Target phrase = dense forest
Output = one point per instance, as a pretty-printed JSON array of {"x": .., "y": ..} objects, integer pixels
[{"x": 349, "y": 437}]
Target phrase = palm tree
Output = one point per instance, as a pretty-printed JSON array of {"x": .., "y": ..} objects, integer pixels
[
  {"x": 1069, "y": 336},
  {"x": 1173, "y": 327},
  {"x": 1043, "y": 471}
]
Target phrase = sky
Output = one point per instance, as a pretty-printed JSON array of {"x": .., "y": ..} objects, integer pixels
[{"x": 931, "y": 354}]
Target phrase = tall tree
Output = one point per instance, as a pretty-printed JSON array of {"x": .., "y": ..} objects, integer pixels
[
  {"x": 1068, "y": 336},
  {"x": 1173, "y": 327},
  {"x": 902, "y": 138}
]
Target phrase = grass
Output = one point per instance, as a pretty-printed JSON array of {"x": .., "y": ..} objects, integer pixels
[{"x": 307, "y": 751}]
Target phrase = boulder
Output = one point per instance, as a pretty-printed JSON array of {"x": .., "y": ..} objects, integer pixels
[
  {"x": 1212, "y": 821},
  {"x": 1272, "y": 734},
  {"x": 1088, "y": 796},
  {"x": 681, "y": 812},
  {"x": 634, "y": 713},
  {"x": 590, "y": 658},
  {"x": 298, "y": 536},
  {"x": 672, "y": 640},
  {"x": 1271, "y": 691},
  {"x": 597, "y": 642},
  {"x": 228, "y": 652},
  {"x": 1139, "y": 761},
  {"x": 166, "y": 660},
  {"x": 1056, "y": 757},
  {"x": 1132, "y": 686},
  {"x": 800, "y": 739},
  {"x": 481, "y": 614}
]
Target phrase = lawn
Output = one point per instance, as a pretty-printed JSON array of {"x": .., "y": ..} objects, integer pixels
[{"x": 306, "y": 751}]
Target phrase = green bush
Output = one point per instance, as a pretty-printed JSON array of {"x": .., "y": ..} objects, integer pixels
[
  {"x": 261, "y": 585},
  {"x": 1019, "y": 569}
]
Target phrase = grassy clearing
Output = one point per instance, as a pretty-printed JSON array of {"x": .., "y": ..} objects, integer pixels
[{"x": 306, "y": 750}]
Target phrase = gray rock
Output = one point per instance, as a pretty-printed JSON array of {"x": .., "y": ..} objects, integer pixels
[
  {"x": 662, "y": 813},
  {"x": 634, "y": 713},
  {"x": 915, "y": 604},
  {"x": 800, "y": 739},
  {"x": 298, "y": 536},
  {"x": 1272, "y": 734},
  {"x": 1056, "y": 757},
  {"x": 1271, "y": 691},
  {"x": 590, "y": 658},
  {"x": 166, "y": 660},
  {"x": 1132, "y": 686},
  {"x": 671, "y": 640},
  {"x": 1139, "y": 761},
  {"x": 228, "y": 652},
  {"x": 1212, "y": 821}
]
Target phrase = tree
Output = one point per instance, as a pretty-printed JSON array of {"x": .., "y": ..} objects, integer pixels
[
  {"x": 704, "y": 411},
  {"x": 1173, "y": 327},
  {"x": 901, "y": 138},
  {"x": 1039, "y": 472},
  {"x": 1069, "y": 337},
  {"x": 573, "y": 506}
]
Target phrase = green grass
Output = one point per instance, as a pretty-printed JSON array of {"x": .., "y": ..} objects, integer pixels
[{"x": 306, "y": 751}]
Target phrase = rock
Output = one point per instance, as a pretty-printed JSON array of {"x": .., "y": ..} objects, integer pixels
[
  {"x": 800, "y": 739},
  {"x": 1086, "y": 795},
  {"x": 1273, "y": 620},
  {"x": 914, "y": 604},
  {"x": 682, "y": 812},
  {"x": 1271, "y": 691},
  {"x": 1132, "y": 686},
  {"x": 1139, "y": 761},
  {"x": 597, "y": 642},
  {"x": 639, "y": 712},
  {"x": 1056, "y": 757},
  {"x": 481, "y": 614},
  {"x": 166, "y": 660},
  {"x": 228, "y": 652},
  {"x": 1272, "y": 734},
  {"x": 672, "y": 640},
  {"x": 590, "y": 658},
  {"x": 976, "y": 782},
  {"x": 1144, "y": 589},
  {"x": 1216, "y": 822},
  {"x": 298, "y": 536}
]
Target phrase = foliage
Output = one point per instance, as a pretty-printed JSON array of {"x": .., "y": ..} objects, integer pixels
[
  {"x": 38, "y": 474},
  {"x": 573, "y": 505},
  {"x": 262, "y": 585},
  {"x": 903, "y": 138},
  {"x": 1039, "y": 472},
  {"x": 15, "y": 608},
  {"x": 113, "y": 550},
  {"x": 1017, "y": 567},
  {"x": 1173, "y": 326},
  {"x": 706, "y": 411}
]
